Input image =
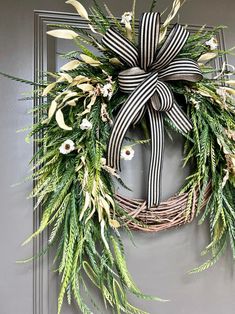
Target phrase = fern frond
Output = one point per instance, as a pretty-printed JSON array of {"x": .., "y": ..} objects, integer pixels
[{"x": 21, "y": 80}]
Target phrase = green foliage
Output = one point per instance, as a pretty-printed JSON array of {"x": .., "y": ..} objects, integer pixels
[
  {"x": 153, "y": 5},
  {"x": 212, "y": 152},
  {"x": 17, "y": 79}
]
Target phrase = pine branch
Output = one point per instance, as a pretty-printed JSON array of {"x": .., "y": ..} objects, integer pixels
[{"x": 18, "y": 79}]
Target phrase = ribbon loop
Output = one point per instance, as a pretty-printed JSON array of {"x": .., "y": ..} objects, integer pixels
[
  {"x": 121, "y": 46},
  {"x": 181, "y": 69},
  {"x": 144, "y": 81},
  {"x": 165, "y": 96},
  {"x": 171, "y": 47},
  {"x": 148, "y": 38}
]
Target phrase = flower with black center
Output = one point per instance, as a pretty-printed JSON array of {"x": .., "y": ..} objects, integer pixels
[
  {"x": 127, "y": 153},
  {"x": 67, "y": 147},
  {"x": 85, "y": 125}
]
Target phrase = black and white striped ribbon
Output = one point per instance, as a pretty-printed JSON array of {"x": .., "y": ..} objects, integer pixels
[
  {"x": 157, "y": 147},
  {"x": 146, "y": 82}
]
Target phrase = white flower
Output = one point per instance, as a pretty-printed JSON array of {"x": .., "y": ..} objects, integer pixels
[
  {"x": 212, "y": 43},
  {"x": 67, "y": 147},
  {"x": 126, "y": 17},
  {"x": 107, "y": 90},
  {"x": 127, "y": 153},
  {"x": 85, "y": 125}
]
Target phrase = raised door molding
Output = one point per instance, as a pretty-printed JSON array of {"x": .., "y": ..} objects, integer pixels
[{"x": 44, "y": 60}]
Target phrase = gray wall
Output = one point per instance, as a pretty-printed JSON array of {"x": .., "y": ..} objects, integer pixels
[{"x": 159, "y": 262}]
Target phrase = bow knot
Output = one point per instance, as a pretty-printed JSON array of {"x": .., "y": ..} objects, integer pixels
[
  {"x": 129, "y": 79},
  {"x": 145, "y": 81}
]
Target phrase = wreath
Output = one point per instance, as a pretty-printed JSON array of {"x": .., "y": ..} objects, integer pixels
[{"x": 156, "y": 77}]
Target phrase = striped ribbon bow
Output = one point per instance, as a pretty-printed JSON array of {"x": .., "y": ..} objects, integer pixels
[{"x": 145, "y": 82}]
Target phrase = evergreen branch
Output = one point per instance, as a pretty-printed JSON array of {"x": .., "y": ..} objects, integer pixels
[{"x": 17, "y": 79}]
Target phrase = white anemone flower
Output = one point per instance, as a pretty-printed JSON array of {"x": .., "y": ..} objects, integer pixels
[
  {"x": 127, "y": 153},
  {"x": 85, "y": 125},
  {"x": 212, "y": 43},
  {"x": 67, "y": 147},
  {"x": 126, "y": 17}
]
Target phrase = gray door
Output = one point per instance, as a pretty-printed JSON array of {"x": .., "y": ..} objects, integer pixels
[{"x": 158, "y": 262}]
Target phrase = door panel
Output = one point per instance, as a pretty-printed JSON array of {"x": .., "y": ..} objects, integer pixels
[{"x": 159, "y": 262}]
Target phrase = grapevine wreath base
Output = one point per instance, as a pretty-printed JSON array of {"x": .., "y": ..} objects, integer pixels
[{"x": 176, "y": 211}]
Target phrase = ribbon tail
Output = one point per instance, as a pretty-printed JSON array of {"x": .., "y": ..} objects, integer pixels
[
  {"x": 139, "y": 116},
  {"x": 157, "y": 146},
  {"x": 179, "y": 118},
  {"x": 135, "y": 102}
]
